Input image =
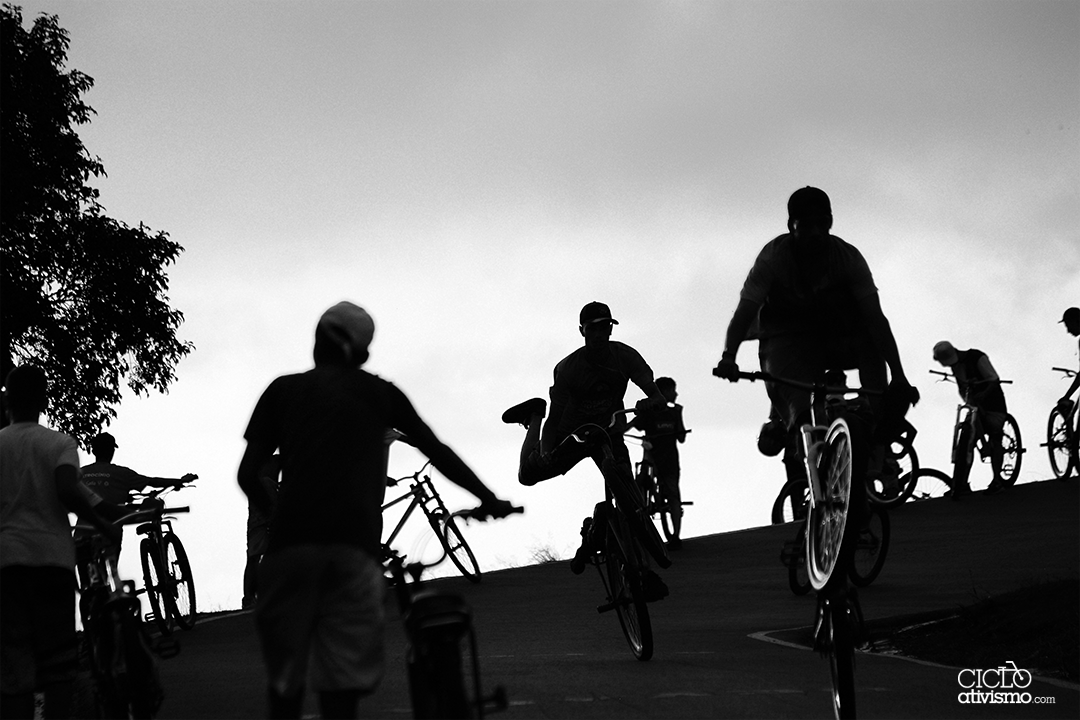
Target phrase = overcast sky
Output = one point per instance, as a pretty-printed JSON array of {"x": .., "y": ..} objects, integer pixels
[{"x": 472, "y": 173}]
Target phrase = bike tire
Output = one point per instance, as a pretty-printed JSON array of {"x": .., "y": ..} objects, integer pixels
[
  {"x": 790, "y": 504},
  {"x": 152, "y": 575},
  {"x": 842, "y": 660},
  {"x": 901, "y": 460},
  {"x": 436, "y": 684},
  {"x": 624, "y": 585},
  {"x": 1012, "y": 451},
  {"x": 631, "y": 503},
  {"x": 1058, "y": 445},
  {"x": 182, "y": 597},
  {"x": 798, "y": 579},
  {"x": 871, "y": 548},
  {"x": 930, "y": 484},
  {"x": 827, "y": 523},
  {"x": 458, "y": 549}
]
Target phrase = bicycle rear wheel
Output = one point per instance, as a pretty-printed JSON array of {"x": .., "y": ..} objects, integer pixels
[
  {"x": 1058, "y": 434},
  {"x": 931, "y": 483},
  {"x": 1012, "y": 451},
  {"x": 790, "y": 505},
  {"x": 181, "y": 597},
  {"x": 871, "y": 548},
  {"x": 152, "y": 581},
  {"x": 458, "y": 549},
  {"x": 827, "y": 525},
  {"x": 894, "y": 485},
  {"x": 624, "y": 586},
  {"x": 842, "y": 659}
]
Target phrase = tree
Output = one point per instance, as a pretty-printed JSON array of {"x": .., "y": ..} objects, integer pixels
[{"x": 81, "y": 295}]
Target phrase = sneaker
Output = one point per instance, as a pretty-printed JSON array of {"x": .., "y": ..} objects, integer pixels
[
  {"x": 652, "y": 587},
  {"x": 522, "y": 413}
]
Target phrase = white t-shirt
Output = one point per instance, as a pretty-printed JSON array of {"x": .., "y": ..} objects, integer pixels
[{"x": 34, "y": 526}]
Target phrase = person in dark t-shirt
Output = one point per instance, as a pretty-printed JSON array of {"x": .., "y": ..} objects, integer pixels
[{"x": 664, "y": 431}]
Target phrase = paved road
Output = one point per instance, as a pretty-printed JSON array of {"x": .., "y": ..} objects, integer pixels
[{"x": 719, "y": 636}]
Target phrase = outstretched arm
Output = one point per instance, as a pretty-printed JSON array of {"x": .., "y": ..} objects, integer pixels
[
  {"x": 881, "y": 336},
  {"x": 737, "y": 330}
]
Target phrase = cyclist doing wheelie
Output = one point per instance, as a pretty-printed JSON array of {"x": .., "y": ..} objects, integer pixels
[
  {"x": 979, "y": 385},
  {"x": 320, "y": 584},
  {"x": 589, "y": 385}
]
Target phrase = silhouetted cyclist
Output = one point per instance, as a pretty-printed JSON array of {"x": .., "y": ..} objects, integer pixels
[
  {"x": 816, "y": 307},
  {"x": 589, "y": 385},
  {"x": 979, "y": 385},
  {"x": 664, "y": 430},
  {"x": 1071, "y": 318}
]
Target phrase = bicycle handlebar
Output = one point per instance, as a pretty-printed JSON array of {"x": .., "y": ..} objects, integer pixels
[
  {"x": 946, "y": 377},
  {"x": 816, "y": 387},
  {"x": 1067, "y": 371}
]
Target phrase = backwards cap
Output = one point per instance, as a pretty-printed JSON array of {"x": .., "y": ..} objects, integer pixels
[{"x": 349, "y": 327}]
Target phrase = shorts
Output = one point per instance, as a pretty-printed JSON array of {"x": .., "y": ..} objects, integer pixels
[
  {"x": 805, "y": 358},
  {"x": 37, "y": 628},
  {"x": 537, "y": 467},
  {"x": 321, "y": 605}
]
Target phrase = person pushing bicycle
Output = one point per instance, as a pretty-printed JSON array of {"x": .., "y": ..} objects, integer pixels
[
  {"x": 589, "y": 386},
  {"x": 813, "y": 300},
  {"x": 979, "y": 385}
]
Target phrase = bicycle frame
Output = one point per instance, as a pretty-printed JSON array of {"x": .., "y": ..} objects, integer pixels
[{"x": 421, "y": 494}]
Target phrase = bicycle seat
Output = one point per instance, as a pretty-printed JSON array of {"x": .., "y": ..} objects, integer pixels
[
  {"x": 438, "y": 612},
  {"x": 146, "y": 528}
]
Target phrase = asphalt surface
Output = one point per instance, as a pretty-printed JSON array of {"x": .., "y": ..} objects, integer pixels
[{"x": 728, "y": 639}]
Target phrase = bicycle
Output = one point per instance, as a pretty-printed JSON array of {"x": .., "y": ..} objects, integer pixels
[
  {"x": 969, "y": 435},
  {"x": 436, "y": 624},
  {"x": 830, "y": 453},
  {"x": 167, "y": 580},
  {"x": 114, "y": 642},
  {"x": 422, "y": 494},
  {"x": 657, "y": 503},
  {"x": 619, "y": 534},
  {"x": 1063, "y": 437},
  {"x": 867, "y": 557}
]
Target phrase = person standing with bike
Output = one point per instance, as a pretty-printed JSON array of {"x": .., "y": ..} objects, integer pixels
[
  {"x": 589, "y": 386},
  {"x": 979, "y": 385},
  {"x": 1071, "y": 319},
  {"x": 664, "y": 431},
  {"x": 320, "y": 584},
  {"x": 813, "y": 300},
  {"x": 39, "y": 483}
]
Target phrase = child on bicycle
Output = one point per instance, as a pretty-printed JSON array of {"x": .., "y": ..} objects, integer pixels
[
  {"x": 589, "y": 385},
  {"x": 664, "y": 431}
]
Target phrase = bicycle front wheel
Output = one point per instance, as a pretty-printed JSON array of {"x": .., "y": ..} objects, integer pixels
[
  {"x": 182, "y": 586},
  {"x": 459, "y": 551},
  {"x": 1058, "y": 434},
  {"x": 790, "y": 505},
  {"x": 624, "y": 584},
  {"x": 931, "y": 483},
  {"x": 896, "y": 481},
  {"x": 827, "y": 521},
  {"x": 871, "y": 547},
  {"x": 152, "y": 581},
  {"x": 1012, "y": 451},
  {"x": 842, "y": 660}
]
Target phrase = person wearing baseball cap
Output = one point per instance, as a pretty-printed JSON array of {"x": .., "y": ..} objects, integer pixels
[
  {"x": 1071, "y": 319},
  {"x": 589, "y": 386},
  {"x": 978, "y": 384},
  {"x": 320, "y": 582},
  {"x": 811, "y": 302}
]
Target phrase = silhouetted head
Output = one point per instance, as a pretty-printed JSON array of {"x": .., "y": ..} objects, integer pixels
[
  {"x": 26, "y": 391},
  {"x": 667, "y": 388},
  {"x": 945, "y": 353},
  {"x": 1071, "y": 318},
  {"x": 343, "y": 335},
  {"x": 104, "y": 447},
  {"x": 594, "y": 323},
  {"x": 809, "y": 214}
]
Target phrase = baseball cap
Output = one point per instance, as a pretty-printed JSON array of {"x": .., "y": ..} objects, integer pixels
[
  {"x": 104, "y": 440},
  {"x": 1071, "y": 315},
  {"x": 945, "y": 353},
  {"x": 349, "y": 326},
  {"x": 596, "y": 312},
  {"x": 809, "y": 202}
]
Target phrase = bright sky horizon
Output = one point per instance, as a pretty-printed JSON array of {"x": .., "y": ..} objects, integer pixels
[{"x": 472, "y": 173}]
